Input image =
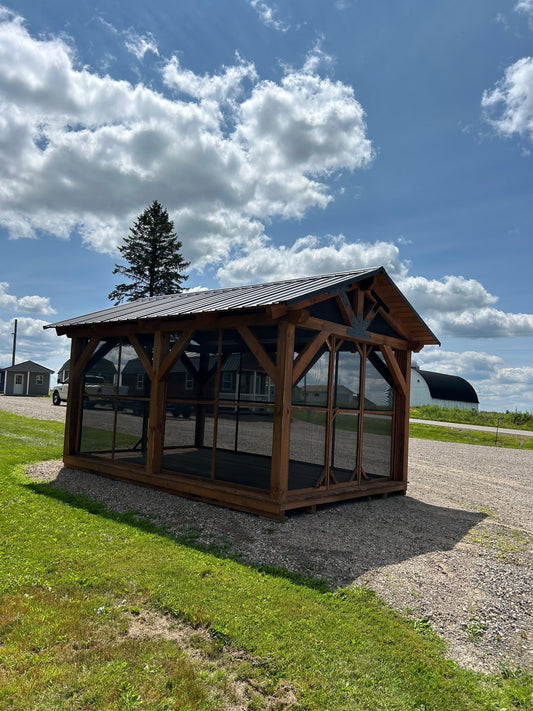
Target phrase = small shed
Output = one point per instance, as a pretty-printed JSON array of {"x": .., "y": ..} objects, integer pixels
[
  {"x": 429, "y": 388},
  {"x": 210, "y": 395},
  {"x": 27, "y": 378}
]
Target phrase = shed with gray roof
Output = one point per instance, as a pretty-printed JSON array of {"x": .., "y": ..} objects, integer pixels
[{"x": 27, "y": 378}]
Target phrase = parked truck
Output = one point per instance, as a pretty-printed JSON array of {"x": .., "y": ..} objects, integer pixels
[{"x": 94, "y": 385}]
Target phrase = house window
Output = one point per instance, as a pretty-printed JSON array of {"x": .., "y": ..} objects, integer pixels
[
  {"x": 19, "y": 379},
  {"x": 228, "y": 382},
  {"x": 189, "y": 381},
  {"x": 39, "y": 379},
  {"x": 140, "y": 381}
]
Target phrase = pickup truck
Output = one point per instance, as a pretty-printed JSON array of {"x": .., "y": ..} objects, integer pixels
[{"x": 94, "y": 385}]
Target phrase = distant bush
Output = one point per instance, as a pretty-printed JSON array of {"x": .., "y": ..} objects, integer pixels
[{"x": 513, "y": 420}]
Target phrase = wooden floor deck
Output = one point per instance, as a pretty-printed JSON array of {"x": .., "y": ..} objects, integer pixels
[{"x": 239, "y": 468}]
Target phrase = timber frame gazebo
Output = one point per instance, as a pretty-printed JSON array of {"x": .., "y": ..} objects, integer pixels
[{"x": 263, "y": 398}]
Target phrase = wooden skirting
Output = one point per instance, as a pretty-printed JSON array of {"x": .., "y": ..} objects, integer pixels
[{"x": 242, "y": 498}]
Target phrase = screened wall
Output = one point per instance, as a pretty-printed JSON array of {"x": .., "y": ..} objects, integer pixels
[{"x": 219, "y": 412}]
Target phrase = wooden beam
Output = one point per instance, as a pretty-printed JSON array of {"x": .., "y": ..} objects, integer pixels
[
  {"x": 143, "y": 357},
  {"x": 401, "y": 421},
  {"x": 394, "y": 369},
  {"x": 175, "y": 352},
  {"x": 339, "y": 329},
  {"x": 346, "y": 309},
  {"x": 158, "y": 397},
  {"x": 393, "y": 323},
  {"x": 359, "y": 303},
  {"x": 259, "y": 352},
  {"x": 277, "y": 311},
  {"x": 359, "y": 471},
  {"x": 305, "y": 356},
  {"x": 279, "y": 475},
  {"x": 84, "y": 357},
  {"x": 74, "y": 400}
]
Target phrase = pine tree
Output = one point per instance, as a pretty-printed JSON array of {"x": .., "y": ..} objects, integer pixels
[{"x": 152, "y": 250}]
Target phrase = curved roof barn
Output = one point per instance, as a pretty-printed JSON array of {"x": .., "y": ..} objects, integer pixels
[{"x": 449, "y": 387}]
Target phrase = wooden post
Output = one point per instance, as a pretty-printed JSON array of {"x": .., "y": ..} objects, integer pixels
[
  {"x": 361, "y": 422},
  {"x": 279, "y": 475},
  {"x": 158, "y": 401},
  {"x": 74, "y": 400},
  {"x": 199, "y": 427},
  {"x": 401, "y": 419}
]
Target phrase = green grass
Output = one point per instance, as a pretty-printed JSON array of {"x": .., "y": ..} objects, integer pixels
[
  {"x": 509, "y": 420},
  {"x": 73, "y": 576},
  {"x": 459, "y": 436}
]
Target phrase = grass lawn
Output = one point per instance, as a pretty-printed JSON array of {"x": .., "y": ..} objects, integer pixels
[
  {"x": 74, "y": 577},
  {"x": 449, "y": 434}
]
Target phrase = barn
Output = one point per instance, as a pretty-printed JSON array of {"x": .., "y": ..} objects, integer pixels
[
  {"x": 429, "y": 388},
  {"x": 211, "y": 395}
]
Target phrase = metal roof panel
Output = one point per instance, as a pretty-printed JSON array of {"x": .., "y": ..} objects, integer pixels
[{"x": 229, "y": 299}]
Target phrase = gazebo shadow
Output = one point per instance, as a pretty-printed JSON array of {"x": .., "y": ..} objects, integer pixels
[{"x": 329, "y": 548}]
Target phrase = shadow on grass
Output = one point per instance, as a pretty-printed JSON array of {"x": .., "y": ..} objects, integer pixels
[{"x": 324, "y": 550}]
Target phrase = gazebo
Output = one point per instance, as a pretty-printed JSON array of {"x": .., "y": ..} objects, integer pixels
[{"x": 264, "y": 398}]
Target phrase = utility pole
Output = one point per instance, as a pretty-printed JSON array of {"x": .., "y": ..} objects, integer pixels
[{"x": 14, "y": 343}]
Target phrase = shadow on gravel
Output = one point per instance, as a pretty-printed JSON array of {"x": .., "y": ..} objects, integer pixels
[{"x": 326, "y": 549}]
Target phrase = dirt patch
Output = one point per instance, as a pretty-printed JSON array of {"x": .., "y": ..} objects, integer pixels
[{"x": 243, "y": 674}]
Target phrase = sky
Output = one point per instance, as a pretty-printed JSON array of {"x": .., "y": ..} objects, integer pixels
[{"x": 285, "y": 139}]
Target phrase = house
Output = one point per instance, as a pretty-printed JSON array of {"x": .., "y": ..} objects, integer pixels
[
  {"x": 106, "y": 369},
  {"x": 428, "y": 388},
  {"x": 239, "y": 359},
  {"x": 2, "y": 379},
  {"x": 27, "y": 378}
]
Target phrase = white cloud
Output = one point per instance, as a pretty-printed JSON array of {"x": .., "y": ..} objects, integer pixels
[
  {"x": 33, "y": 343},
  {"x": 27, "y": 304},
  {"x": 219, "y": 87},
  {"x": 268, "y": 16},
  {"x": 138, "y": 45},
  {"x": 498, "y": 387},
  {"x": 525, "y": 6},
  {"x": 509, "y": 106},
  {"x": 452, "y": 306},
  {"x": 455, "y": 306},
  {"x": 310, "y": 255},
  {"x": 84, "y": 152}
]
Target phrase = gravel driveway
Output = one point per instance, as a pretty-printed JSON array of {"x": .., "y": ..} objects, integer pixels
[{"x": 454, "y": 554}]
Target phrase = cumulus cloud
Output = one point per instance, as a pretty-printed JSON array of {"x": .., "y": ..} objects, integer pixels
[
  {"x": 310, "y": 255},
  {"x": 452, "y": 306},
  {"x": 497, "y": 386},
  {"x": 27, "y": 304},
  {"x": 455, "y": 306},
  {"x": 219, "y": 88},
  {"x": 43, "y": 347},
  {"x": 509, "y": 105},
  {"x": 84, "y": 152}
]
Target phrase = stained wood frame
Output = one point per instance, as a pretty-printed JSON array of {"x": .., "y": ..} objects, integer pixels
[{"x": 358, "y": 306}]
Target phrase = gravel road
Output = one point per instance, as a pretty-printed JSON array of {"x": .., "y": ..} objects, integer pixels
[{"x": 455, "y": 554}]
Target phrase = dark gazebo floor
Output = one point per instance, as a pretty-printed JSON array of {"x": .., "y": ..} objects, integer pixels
[{"x": 239, "y": 468}]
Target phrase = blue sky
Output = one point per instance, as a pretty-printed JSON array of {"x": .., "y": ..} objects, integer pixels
[{"x": 284, "y": 139}]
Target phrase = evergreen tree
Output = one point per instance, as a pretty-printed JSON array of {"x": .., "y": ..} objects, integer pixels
[{"x": 152, "y": 250}]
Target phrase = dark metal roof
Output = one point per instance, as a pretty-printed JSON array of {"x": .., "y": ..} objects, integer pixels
[
  {"x": 28, "y": 367},
  {"x": 237, "y": 297},
  {"x": 449, "y": 387},
  {"x": 247, "y": 297}
]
